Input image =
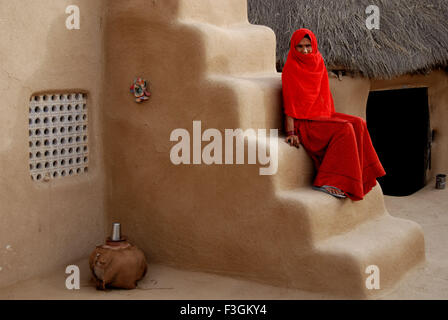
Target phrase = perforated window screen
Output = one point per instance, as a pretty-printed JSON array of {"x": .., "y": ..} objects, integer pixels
[{"x": 58, "y": 135}]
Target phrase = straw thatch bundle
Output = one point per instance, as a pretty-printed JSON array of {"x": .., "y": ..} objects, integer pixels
[{"x": 413, "y": 34}]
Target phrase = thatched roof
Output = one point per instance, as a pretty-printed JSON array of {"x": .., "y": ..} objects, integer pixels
[{"x": 413, "y": 34}]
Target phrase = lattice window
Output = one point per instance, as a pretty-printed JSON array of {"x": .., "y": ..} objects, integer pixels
[{"x": 58, "y": 135}]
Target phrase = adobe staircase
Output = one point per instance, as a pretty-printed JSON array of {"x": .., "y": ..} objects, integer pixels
[{"x": 229, "y": 219}]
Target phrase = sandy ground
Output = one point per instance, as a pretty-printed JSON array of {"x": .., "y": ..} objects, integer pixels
[{"x": 429, "y": 281}]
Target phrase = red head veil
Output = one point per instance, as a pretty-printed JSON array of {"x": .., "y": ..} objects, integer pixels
[{"x": 306, "y": 90}]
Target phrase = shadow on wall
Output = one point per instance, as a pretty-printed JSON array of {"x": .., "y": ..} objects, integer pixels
[{"x": 170, "y": 208}]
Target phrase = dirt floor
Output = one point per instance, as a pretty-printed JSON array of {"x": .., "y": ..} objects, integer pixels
[{"x": 429, "y": 281}]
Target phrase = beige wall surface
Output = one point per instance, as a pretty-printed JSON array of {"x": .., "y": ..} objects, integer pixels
[
  {"x": 47, "y": 225},
  {"x": 350, "y": 94},
  {"x": 187, "y": 66}
]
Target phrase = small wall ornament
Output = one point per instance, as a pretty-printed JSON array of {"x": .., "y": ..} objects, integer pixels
[{"x": 140, "y": 91}]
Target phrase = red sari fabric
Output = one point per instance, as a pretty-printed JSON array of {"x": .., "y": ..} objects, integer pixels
[
  {"x": 306, "y": 89},
  {"x": 342, "y": 152},
  {"x": 339, "y": 144}
]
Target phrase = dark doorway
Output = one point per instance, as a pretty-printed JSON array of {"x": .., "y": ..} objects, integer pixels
[{"x": 398, "y": 122}]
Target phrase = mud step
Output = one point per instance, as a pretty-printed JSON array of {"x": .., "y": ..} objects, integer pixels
[
  {"x": 214, "y": 12},
  {"x": 393, "y": 245},
  {"x": 255, "y": 98},
  {"x": 327, "y": 216},
  {"x": 236, "y": 49}
]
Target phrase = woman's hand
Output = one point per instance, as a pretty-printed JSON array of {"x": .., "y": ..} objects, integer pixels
[{"x": 293, "y": 140}]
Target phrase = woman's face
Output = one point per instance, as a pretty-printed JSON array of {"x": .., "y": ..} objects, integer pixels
[{"x": 304, "y": 46}]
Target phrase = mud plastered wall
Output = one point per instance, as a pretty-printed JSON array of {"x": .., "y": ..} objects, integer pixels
[
  {"x": 350, "y": 94},
  {"x": 198, "y": 72},
  {"x": 45, "y": 226}
]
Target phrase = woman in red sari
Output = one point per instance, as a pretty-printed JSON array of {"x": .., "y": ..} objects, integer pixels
[{"x": 339, "y": 144}]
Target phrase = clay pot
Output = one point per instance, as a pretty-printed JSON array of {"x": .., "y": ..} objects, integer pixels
[{"x": 117, "y": 264}]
